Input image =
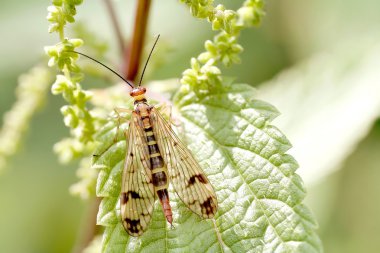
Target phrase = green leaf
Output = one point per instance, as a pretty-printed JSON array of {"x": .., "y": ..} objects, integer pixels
[{"x": 259, "y": 195}]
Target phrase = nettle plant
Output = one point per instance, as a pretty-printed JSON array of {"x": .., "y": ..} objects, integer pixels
[{"x": 229, "y": 132}]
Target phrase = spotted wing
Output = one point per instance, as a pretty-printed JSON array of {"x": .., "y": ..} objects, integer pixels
[
  {"x": 137, "y": 191},
  {"x": 186, "y": 175}
]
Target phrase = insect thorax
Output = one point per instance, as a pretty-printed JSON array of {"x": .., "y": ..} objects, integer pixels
[{"x": 142, "y": 108}]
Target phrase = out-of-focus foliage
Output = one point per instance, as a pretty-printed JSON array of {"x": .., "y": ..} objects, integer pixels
[
  {"x": 332, "y": 102},
  {"x": 344, "y": 201},
  {"x": 31, "y": 95},
  {"x": 85, "y": 188}
]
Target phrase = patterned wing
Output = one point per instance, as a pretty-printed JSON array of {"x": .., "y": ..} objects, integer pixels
[
  {"x": 137, "y": 191},
  {"x": 186, "y": 175}
]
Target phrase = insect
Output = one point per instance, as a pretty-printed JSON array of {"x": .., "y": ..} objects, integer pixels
[{"x": 156, "y": 157}]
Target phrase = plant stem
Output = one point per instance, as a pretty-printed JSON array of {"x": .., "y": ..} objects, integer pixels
[
  {"x": 116, "y": 26},
  {"x": 132, "y": 56}
]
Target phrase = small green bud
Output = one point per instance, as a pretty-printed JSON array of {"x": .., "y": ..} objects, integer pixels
[
  {"x": 57, "y": 2},
  {"x": 213, "y": 70},
  {"x": 236, "y": 48},
  {"x": 52, "y": 61},
  {"x": 204, "y": 57},
  {"x": 226, "y": 60},
  {"x": 216, "y": 25},
  {"x": 60, "y": 85},
  {"x": 75, "y": 42},
  {"x": 209, "y": 46},
  {"x": 52, "y": 10},
  {"x": 220, "y": 8},
  {"x": 70, "y": 116},
  {"x": 251, "y": 13},
  {"x": 194, "y": 64},
  {"x": 51, "y": 50},
  {"x": 82, "y": 97},
  {"x": 70, "y": 19},
  {"x": 184, "y": 88}
]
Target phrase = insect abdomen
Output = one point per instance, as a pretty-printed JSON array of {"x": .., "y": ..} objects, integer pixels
[{"x": 159, "y": 173}]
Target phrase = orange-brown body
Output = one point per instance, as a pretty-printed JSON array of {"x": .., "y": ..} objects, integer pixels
[{"x": 158, "y": 167}]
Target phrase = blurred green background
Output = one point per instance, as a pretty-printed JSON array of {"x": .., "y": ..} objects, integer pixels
[{"x": 37, "y": 213}]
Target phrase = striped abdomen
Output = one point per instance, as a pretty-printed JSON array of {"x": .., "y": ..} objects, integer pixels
[{"x": 159, "y": 170}]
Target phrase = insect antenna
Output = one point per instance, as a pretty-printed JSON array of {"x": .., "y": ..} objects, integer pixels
[
  {"x": 113, "y": 71},
  {"x": 146, "y": 63}
]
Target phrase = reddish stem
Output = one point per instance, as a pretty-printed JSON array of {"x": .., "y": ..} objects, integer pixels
[{"x": 132, "y": 56}]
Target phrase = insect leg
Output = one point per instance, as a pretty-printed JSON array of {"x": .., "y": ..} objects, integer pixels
[
  {"x": 119, "y": 118},
  {"x": 118, "y": 112}
]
